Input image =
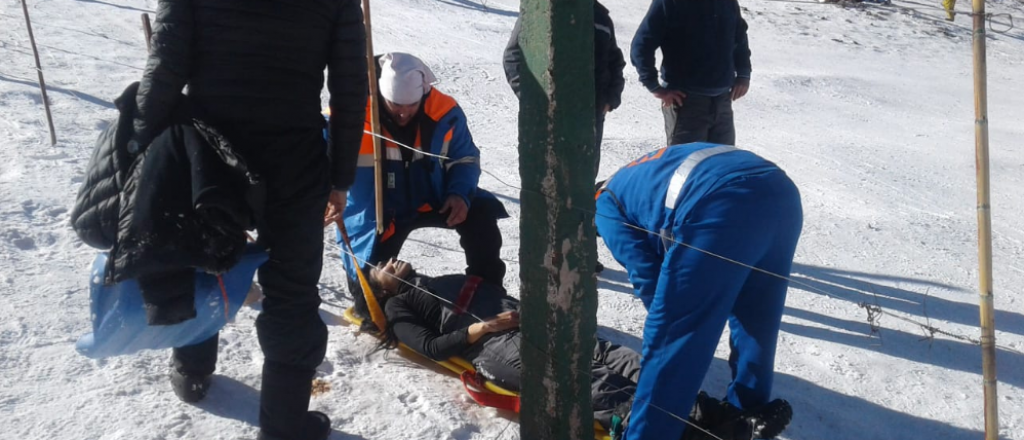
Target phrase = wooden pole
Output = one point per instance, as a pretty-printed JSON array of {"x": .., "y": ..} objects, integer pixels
[
  {"x": 147, "y": 29},
  {"x": 378, "y": 164},
  {"x": 558, "y": 250},
  {"x": 988, "y": 336},
  {"x": 39, "y": 71}
]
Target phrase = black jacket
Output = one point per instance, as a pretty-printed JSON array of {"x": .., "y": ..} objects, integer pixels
[
  {"x": 261, "y": 64},
  {"x": 429, "y": 325},
  {"x": 608, "y": 61},
  {"x": 703, "y": 45},
  {"x": 183, "y": 202}
]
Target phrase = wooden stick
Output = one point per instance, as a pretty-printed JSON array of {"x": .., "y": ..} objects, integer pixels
[
  {"x": 378, "y": 164},
  {"x": 39, "y": 70},
  {"x": 987, "y": 309},
  {"x": 147, "y": 29}
]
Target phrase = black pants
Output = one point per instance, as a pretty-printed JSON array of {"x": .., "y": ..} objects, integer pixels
[
  {"x": 598, "y": 138},
  {"x": 479, "y": 237},
  {"x": 701, "y": 119},
  {"x": 614, "y": 371},
  {"x": 294, "y": 166}
]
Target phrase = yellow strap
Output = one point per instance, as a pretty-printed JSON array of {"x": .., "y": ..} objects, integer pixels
[{"x": 376, "y": 314}]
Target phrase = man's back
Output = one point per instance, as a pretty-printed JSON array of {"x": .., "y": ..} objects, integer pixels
[{"x": 252, "y": 63}]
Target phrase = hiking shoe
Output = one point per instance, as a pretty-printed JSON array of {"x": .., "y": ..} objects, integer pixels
[
  {"x": 189, "y": 388},
  {"x": 770, "y": 419},
  {"x": 721, "y": 419},
  {"x": 317, "y": 426},
  {"x": 599, "y": 267}
]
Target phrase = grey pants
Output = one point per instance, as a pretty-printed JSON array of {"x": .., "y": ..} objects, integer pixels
[{"x": 701, "y": 119}]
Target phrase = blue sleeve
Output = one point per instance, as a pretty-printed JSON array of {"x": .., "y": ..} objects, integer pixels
[
  {"x": 462, "y": 169},
  {"x": 631, "y": 247},
  {"x": 647, "y": 40}
]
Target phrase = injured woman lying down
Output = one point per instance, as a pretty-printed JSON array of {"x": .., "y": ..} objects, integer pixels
[{"x": 437, "y": 317}]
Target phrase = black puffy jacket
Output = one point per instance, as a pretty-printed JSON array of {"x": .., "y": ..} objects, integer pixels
[
  {"x": 183, "y": 202},
  {"x": 261, "y": 64}
]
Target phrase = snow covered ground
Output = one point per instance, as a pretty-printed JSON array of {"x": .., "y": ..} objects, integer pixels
[{"x": 869, "y": 109}]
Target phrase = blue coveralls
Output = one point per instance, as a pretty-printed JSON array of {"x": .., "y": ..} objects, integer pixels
[{"x": 723, "y": 202}]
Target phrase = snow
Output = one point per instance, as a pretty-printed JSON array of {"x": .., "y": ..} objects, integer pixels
[{"x": 869, "y": 109}]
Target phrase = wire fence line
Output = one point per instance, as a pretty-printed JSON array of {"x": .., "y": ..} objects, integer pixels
[{"x": 874, "y": 311}]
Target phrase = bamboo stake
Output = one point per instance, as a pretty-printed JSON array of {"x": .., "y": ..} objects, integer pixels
[
  {"x": 378, "y": 165},
  {"x": 147, "y": 29},
  {"x": 988, "y": 337},
  {"x": 39, "y": 71}
]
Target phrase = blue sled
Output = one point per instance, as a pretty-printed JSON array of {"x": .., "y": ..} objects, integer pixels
[{"x": 119, "y": 321}]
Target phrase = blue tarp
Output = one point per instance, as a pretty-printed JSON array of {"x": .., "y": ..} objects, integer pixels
[{"x": 119, "y": 321}]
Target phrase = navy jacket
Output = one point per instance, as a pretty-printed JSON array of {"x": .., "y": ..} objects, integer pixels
[{"x": 703, "y": 45}]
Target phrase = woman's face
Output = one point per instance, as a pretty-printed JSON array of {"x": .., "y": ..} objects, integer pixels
[{"x": 390, "y": 274}]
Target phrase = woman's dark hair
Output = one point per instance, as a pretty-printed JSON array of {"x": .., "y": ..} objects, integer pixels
[{"x": 388, "y": 340}]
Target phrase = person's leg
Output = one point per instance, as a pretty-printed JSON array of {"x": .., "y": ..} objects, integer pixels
[
  {"x": 480, "y": 237},
  {"x": 598, "y": 139},
  {"x": 696, "y": 292},
  {"x": 293, "y": 338},
  {"x": 196, "y": 360},
  {"x": 191, "y": 368},
  {"x": 690, "y": 121},
  {"x": 613, "y": 371},
  {"x": 757, "y": 314},
  {"x": 722, "y": 130}
]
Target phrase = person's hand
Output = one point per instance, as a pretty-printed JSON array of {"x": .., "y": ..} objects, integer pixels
[
  {"x": 607, "y": 108},
  {"x": 335, "y": 207},
  {"x": 669, "y": 98},
  {"x": 456, "y": 208},
  {"x": 740, "y": 88},
  {"x": 504, "y": 321}
]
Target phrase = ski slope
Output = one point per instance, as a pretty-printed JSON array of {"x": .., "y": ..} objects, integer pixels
[{"x": 869, "y": 110}]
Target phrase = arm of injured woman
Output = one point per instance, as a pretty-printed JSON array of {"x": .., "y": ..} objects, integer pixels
[{"x": 415, "y": 320}]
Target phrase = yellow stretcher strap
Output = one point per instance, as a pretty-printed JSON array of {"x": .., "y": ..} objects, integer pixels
[{"x": 376, "y": 314}]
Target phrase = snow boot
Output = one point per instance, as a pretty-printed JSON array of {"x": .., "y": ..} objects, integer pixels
[
  {"x": 770, "y": 419},
  {"x": 317, "y": 426},
  {"x": 721, "y": 419},
  {"x": 190, "y": 388}
]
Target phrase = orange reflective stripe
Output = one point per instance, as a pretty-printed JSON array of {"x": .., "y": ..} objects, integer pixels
[
  {"x": 438, "y": 104},
  {"x": 425, "y": 208}
]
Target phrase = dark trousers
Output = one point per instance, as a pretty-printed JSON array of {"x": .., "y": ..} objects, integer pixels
[
  {"x": 196, "y": 360},
  {"x": 479, "y": 237},
  {"x": 701, "y": 119},
  {"x": 294, "y": 166},
  {"x": 598, "y": 138}
]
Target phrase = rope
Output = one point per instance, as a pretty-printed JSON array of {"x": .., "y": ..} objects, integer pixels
[{"x": 872, "y": 313}]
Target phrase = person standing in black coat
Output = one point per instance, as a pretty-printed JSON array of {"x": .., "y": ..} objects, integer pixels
[
  {"x": 608, "y": 66},
  {"x": 255, "y": 71},
  {"x": 705, "y": 66}
]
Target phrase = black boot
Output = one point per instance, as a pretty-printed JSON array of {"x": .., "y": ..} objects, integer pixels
[
  {"x": 722, "y": 420},
  {"x": 770, "y": 419},
  {"x": 190, "y": 389},
  {"x": 317, "y": 426},
  {"x": 191, "y": 369}
]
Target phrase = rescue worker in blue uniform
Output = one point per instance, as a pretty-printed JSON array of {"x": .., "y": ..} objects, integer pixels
[
  {"x": 714, "y": 212},
  {"x": 433, "y": 186}
]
